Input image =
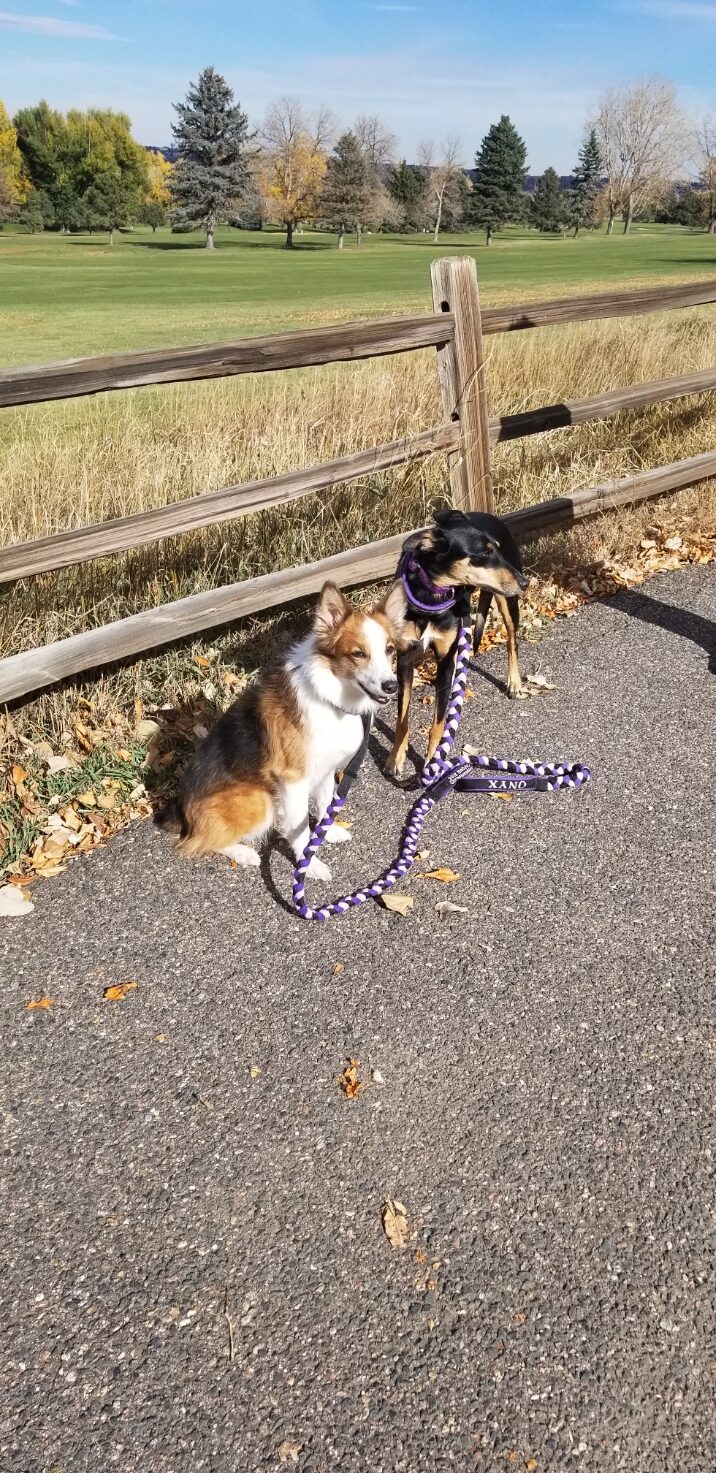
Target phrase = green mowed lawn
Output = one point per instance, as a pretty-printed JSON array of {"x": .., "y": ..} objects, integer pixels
[{"x": 66, "y": 295}]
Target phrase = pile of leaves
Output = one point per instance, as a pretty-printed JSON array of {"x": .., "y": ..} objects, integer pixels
[
  {"x": 106, "y": 769},
  {"x": 69, "y": 795}
]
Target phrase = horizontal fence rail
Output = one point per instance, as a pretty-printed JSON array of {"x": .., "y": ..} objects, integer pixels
[
  {"x": 612, "y": 401},
  {"x": 45, "y": 554},
  {"x": 455, "y": 328},
  {"x": 309, "y": 347},
  {"x": 33, "y": 670},
  {"x": 120, "y": 534},
  {"x": 588, "y": 309},
  {"x": 341, "y": 342}
]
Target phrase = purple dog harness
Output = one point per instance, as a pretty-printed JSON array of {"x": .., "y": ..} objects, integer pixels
[
  {"x": 439, "y": 600},
  {"x": 441, "y": 776}
]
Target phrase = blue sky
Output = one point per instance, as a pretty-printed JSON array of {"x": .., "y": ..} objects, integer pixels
[{"x": 428, "y": 69}]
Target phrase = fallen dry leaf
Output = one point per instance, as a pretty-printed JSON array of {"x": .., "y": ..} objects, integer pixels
[
  {"x": 395, "y": 1222},
  {"x": 349, "y": 1081},
  {"x": 445, "y": 876},
  {"x": 145, "y": 730},
  {"x": 202, "y": 660},
  {"x": 41, "y": 1002},
  {"x": 13, "y": 902},
  {"x": 18, "y": 775},
  {"x": 399, "y": 903},
  {"x": 118, "y": 991},
  {"x": 57, "y": 764},
  {"x": 446, "y": 907},
  {"x": 531, "y": 1464},
  {"x": 69, "y": 817},
  {"x": 255, "y": 1071},
  {"x": 88, "y": 799},
  {"x": 288, "y": 1451},
  {"x": 538, "y": 682},
  {"x": 339, "y": 967}
]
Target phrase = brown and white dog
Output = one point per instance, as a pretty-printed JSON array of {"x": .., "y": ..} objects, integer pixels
[{"x": 275, "y": 752}]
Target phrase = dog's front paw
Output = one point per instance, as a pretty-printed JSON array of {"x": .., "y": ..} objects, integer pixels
[
  {"x": 515, "y": 689},
  {"x": 337, "y": 834},
  {"x": 317, "y": 870},
  {"x": 392, "y": 768}
]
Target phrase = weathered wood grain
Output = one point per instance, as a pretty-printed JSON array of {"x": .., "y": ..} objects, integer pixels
[
  {"x": 614, "y": 401},
  {"x": 36, "y": 669},
  {"x": 338, "y": 342},
  {"x": 608, "y": 304},
  {"x": 44, "y": 554},
  {"x": 566, "y": 510},
  {"x": 461, "y": 369}
]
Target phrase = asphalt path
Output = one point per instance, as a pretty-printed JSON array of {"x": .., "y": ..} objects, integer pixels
[{"x": 195, "y": 1274}]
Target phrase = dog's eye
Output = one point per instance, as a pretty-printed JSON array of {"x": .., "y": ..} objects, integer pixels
[
  {"x": 390, "y": 649},
  {"x": 358, "y": 655}
]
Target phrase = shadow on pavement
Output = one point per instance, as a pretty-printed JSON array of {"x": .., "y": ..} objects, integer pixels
[{"x": 667, "y": 616}]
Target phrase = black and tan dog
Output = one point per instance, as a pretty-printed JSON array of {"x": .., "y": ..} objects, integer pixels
[{"x": 439, "y": 570}]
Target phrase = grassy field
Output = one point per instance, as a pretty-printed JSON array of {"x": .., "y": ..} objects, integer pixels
[{"x": 66, "y": 295}]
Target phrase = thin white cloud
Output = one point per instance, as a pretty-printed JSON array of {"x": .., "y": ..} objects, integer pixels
[
  {"x": 49, "y": 25},
  {"x": 678, "y": 10}
]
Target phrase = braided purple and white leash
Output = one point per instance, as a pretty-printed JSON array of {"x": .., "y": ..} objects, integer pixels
[{"x": 442, "y": 775}]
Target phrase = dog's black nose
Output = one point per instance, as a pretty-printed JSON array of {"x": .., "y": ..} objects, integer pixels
[
  {"x": 523, "y": 581},
  {"x": 390, "y": 686}
]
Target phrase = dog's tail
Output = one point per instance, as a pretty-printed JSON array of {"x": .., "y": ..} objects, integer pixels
[
  {"x": 213, "y": 823},
  {"x": 172, "y": 818}
]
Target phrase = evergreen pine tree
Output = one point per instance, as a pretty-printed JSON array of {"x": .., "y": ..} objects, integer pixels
[
  {"x": 501, "y": 163},
  {"x": 212, "y": 170},
  {"x": 547, "y": 211},
  {"x": 108, "y": 203},
  {"x": 406, "y": 186},
  {"x": 37, "y": 212},
  {"x": 582, "y": 201},
  {"x": 347, "y": 194}
]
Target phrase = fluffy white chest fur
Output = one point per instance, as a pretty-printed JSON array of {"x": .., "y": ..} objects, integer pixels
[
  {"x": 333, "y": 738},
  {"x": 333, "y": 733}
]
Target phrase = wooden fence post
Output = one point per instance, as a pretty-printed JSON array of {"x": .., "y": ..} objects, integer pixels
[{"x": 461, "y": 368}]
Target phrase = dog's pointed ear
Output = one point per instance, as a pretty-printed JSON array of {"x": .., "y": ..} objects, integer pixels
[
  {"x": 449, "y": 520},
  {"x": 394, "y": 609},
  {"x": 332, "y": 608}
]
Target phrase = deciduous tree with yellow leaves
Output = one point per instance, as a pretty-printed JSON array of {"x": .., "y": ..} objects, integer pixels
[
  {"x": 14, "y": 184},
  {"x": 292, "y": 162},
  {"x": 160, "y": 175}
]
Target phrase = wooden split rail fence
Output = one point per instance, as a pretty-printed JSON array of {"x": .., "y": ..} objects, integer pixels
[{"x": 456, "y": 328}]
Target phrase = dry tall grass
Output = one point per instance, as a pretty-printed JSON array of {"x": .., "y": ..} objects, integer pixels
[{"x": 65, "y": 465}]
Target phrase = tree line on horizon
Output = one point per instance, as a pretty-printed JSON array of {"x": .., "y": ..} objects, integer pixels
[{"x": 85, "y": 171}]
